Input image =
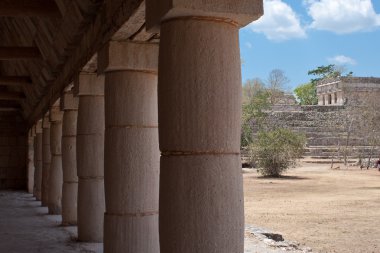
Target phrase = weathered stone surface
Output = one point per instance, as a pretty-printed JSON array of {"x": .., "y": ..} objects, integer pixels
[
  {"x": 90, "y": 158},
  {"x": 69, "y": 161},
  {"x": 128, "y": 56},
  {"x": 131, "y": 148},
  {"x": 55, "y": 174},
  {"x": 46, "y": 160},
  {"x": 199, "y": 98},
  {"x": 30, "y": 169},
  {"x": 242, "y": 12}
]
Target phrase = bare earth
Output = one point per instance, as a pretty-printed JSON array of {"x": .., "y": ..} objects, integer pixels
[{"x": 327, "y": 210}]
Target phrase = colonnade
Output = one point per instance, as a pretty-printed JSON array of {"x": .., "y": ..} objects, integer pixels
[{"x": 145, "y": 153}]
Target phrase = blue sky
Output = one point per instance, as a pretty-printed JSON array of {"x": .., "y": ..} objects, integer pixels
[{"x": 299, "y": 35}]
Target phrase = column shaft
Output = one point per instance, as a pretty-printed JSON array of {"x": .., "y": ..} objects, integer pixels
[
  {"x": 199, "y": 97},
  {"x": 30, "y": 172},
  {"x": 90, "y": 161},
  {"x": 46, "y": 160},
  {"x": 131, "y": 152},
  {"x": 56, "y": 174},
  {"x": 69, "y": 166},
  {"x": 38, "y": 162}
]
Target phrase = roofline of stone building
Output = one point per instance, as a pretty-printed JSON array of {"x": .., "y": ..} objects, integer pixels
[{"x": 349, "y": 79}]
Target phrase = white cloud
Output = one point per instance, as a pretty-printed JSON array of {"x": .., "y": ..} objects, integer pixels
[
  {"x": 342, "y": 16},
  {"x": 342, "y": 60},
  {"x": 248, "y": 45},
  {"x": 279, "y": 22}
]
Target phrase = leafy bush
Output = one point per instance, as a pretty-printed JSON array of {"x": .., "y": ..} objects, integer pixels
[{"x": 275, "y": 151}]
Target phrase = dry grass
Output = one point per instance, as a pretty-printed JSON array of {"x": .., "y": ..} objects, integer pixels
[{"x": 328, "y": 210}]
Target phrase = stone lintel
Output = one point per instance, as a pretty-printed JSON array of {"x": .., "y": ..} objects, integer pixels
[
  {"x": 38, "y": 127},
  {"x": 89, "y": 84},
  {"x": 115, "y": 56},
  {"x": 68, "y": 101},
  {"x": 241, "y": 12},
  {"x": 46, "y": 121},
  {"x": 55, "y": 114}
]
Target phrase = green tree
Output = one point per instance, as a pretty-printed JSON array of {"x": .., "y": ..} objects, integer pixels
[
  {"x": 256, "y": 100},
  {"x": 307, "y": 94},
  {"x": 275, "y": 151},
  {"x": 329, "y": 71}
]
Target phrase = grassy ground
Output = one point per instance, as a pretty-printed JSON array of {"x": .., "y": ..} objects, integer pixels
[{"x": 328, "y": 210}]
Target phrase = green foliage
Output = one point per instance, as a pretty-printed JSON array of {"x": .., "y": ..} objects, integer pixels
[
  {"x": 253, "y": 110},
  {"x": 329, "y": 71},
  {"x": 275, "y": 151},
  {"x": 324, "y": 72},
  {"x": 307, "y": 94}
]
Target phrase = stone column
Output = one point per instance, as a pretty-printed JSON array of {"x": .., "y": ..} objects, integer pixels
[
  {"x": 90, "y": 156},
  {"x": 321, "y": 100},
  {"x": 131, "y": 147},
  {"x": 55, "y": 174},
  {"x": 199, "y": 114},
  {"x": 69, "y": 159},
  {"x": 30, "y": 172},
  {"x": 46, "y": 160},
  {"x": 340, "y": 97},
  {"x": 327, "y": 102},
  {"x": 38, "y": 160}
]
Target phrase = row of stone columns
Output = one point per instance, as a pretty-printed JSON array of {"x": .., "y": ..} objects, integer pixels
[{"x": 180, "y": 100}]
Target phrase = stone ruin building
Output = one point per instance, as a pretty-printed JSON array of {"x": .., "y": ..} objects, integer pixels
[
  {"x": 118, "y": 114},
  {"x": 347, "y": 90},
  {"x": 325, "y": 125}
]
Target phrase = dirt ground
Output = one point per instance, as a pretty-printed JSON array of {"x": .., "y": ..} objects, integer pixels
[{"x": 327, "y": 210}]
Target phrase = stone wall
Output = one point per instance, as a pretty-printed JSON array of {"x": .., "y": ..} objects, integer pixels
[
  {"x": 324, "y": 126},
  {"x": 13, "y": 147}
]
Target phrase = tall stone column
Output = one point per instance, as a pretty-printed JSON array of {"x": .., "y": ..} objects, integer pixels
[
  {"x": 321, "y": 100},
  {"x": 55, "y": 174},
  {"x": 38, "y": 160},
  {"x": 46, "y": 160},
  {"x": 327, "y": 101},
  {"x": 131, "y": 147},
  {"x": 199, "y": 102},
  {"x": 69, "y": 159},
  {"x": 30, "y": 171},
  {"x": 90, "y": 156}
]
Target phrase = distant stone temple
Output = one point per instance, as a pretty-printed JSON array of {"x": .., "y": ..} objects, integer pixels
[
  {"x": 347, "y": 90},
  {"x": 326, "y": 124}
]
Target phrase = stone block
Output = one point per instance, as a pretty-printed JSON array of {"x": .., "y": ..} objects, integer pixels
[
  {"x": 241, "y": 12},
  {"x": 91, "y": 206},
  {"x": 55, "y": 114},
  {"x": 89, "y": 84},
  {"x": 198, "y": 196},
  {"x": 46, "y": 121},
  {"x": 133, "y": 233},
  {"x": 134, "y": 94},
  {"x": 69, "y": 124},
  {"x": 134, "y": 186},
  {"x": 116, "y": 56},
  {"x": 69, "y": 102},
  {"x": 90, "y": 155}
]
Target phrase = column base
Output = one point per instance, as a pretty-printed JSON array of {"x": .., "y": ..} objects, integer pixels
[
  {"x": 91, "y": 206},
  {"x": 201, "y": 204},
  {"x": 69, "y": 203},
  {"x": 131, "y": 234}
]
